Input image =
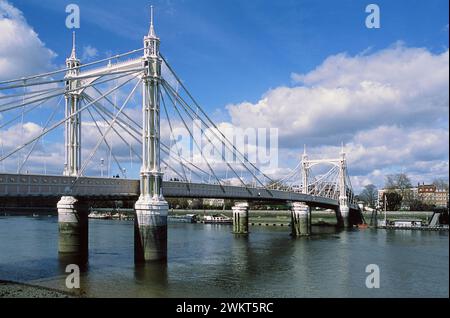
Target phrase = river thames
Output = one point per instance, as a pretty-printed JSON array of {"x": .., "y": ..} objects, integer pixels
[{"x": 208, "y": 261}]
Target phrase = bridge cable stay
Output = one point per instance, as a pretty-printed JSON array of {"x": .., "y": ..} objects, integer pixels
[
  {"x": 123, "y": 124},
  {"x": 59, "y": 123},
  {"x": 215, "y": 147},
  {"x": 215, "y": 129},
  {"x": 195, "y": 142},
  {"x": 325, "y": 181},
  {"x": 172, "y": 135},
  {"x": 115, "y": 106},
  {"x": 63, "y": 80},
  {"x": 165, "y": 108},
  {"x": 106, "y": 142},
  {"x": 122, "y": 138},
  {"x": 31, "y": 92},
  {"x": 52, "y": 115},
  {"x": 172, "y": 139},
  {"x": 209, "y": 119},
  {"x": 101, "y": 111},
  {"x": 100, "y": 141},
  {"x": 4, "y": 107},
  {"x": 183, "y": 160},
  {"x": 321, "y": 179},
  {"x": 60, "y": 90},
  {"x": 65, "y": 70},
  {"x": 290, "y": 176},
  {"x": 117, "y": 133},
  {"x": 168, "y": 89},
  {"x": 25, "y": 112}
]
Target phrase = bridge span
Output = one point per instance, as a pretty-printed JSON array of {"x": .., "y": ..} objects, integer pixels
[
  {"x": 80, "y": 86},
  {"x": 24, "y": 185}
]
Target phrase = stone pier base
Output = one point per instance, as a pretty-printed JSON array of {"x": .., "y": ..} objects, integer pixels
[
  {"x": 300, "y": 219},
  {"x": 150, "y": 231},
  {"x": 73, "y": 226},
  {"x": 240, "y": 218},
  {"x": 343, "y": 217}
]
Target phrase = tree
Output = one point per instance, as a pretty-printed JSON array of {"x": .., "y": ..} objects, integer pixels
[
  {"x": 401, "y": 184},
  {"x": 393, "y": 200},
  {"x": 369, "y": 195},
  {"x": 441, "y": 184}
]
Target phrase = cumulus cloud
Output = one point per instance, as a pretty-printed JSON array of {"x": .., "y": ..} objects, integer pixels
[
  {"x": 389, "y": 107},
  {"x": 21, "y": 51},
  {"x": 89, "y": 53}
]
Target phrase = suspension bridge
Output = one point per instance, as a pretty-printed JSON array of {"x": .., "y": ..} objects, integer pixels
[{"x": 137, "y": 100}]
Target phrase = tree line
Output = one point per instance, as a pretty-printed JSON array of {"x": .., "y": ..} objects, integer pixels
[{"x": 399, "y": 194}]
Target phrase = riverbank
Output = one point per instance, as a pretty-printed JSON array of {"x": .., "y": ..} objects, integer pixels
[{"x": 19, "y": 290}]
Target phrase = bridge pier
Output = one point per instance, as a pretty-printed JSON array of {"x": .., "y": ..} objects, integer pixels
[
  {"x": 240, "y": 218},
  {"x": 300, "y": 219},
  {"x": 150, "y": 231},
  {"x": 73, "y": 227},
  {"x": 343, "y": 214}
]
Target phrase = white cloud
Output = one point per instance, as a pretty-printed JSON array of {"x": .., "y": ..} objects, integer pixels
[
  {"x": 89, "y": 53},
  {"x": 390, "y": 108},
  {"x": 21, "y": 51}
]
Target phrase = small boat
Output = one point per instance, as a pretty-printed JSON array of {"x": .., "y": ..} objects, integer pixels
[
  {"x": 217, "y": 219},
  {"x": 188, "y": 218},
  {"x": 102, "y": 216}
]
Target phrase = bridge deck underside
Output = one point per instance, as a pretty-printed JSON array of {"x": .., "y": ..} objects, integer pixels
[{"x": 13, "y": 185}]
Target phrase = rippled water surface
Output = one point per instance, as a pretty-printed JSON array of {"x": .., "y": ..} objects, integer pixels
[{"x": 208, "y": 261}]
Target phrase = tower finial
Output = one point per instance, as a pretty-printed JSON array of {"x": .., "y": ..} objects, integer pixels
[
  {"x": 342, "y": 149},
  {"x": 151, "y": 15},
  {"x": 151, "y": 32},
  {"x": 74, "y": 53}
]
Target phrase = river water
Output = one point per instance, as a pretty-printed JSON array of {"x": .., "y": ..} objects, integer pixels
[{"x": 208, "y": 261}]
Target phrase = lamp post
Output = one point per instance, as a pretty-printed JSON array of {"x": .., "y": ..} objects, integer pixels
[{"x": 102, "y": 163}]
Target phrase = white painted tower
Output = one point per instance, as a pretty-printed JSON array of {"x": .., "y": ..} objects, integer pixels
[
  {"x": 151, "y": 208},
  {"x": 72, "y": 139}
]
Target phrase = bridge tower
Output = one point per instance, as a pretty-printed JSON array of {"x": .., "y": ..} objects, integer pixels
[
  {"x": 72, "y": 212},
  {"x": 151, "y": 208},
  {"x": 344, "y": 209},
  {"x": 300, "y": 211},
  {"x": 72, "y": 149}
]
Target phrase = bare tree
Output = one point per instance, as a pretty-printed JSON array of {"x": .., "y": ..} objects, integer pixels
[
  {"x": 369, "y": 195},
  {"x": 441, "y": 184},
  {"x": 401, "y": 184}
]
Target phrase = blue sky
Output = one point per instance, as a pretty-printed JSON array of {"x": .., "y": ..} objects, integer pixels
[
  {"x": 259, "y": 63},
  {"x": 234, "y": 50}
]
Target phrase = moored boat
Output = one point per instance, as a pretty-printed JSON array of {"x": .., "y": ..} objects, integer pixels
[{"x": 217, "y": 219}]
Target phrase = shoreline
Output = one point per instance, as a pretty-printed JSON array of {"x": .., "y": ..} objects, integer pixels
[{"x": 10, "y": 289}]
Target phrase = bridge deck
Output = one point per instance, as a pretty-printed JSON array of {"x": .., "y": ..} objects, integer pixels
[{"x": 14, "y": 185}]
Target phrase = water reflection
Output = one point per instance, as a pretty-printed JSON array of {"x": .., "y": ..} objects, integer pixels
[
  {"x": 208, "y": 261},
  {"x": 65, "y": 259}
]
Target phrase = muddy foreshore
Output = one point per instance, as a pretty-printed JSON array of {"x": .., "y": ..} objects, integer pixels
[{"x": 19, "y": 290}]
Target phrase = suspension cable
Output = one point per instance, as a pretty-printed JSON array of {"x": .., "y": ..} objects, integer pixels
[
  {"x": 106, "y": 143},
  {"x": 195, "y": 142},
  {"x": 63, "y": 120},
  {"x": 105, "y": 134},
  {"x": 70, "y": 69},
  {"x": 19, "y": 170},
  {"x": 207, "y": 117},
  {"x": 64, "y": 91}
]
